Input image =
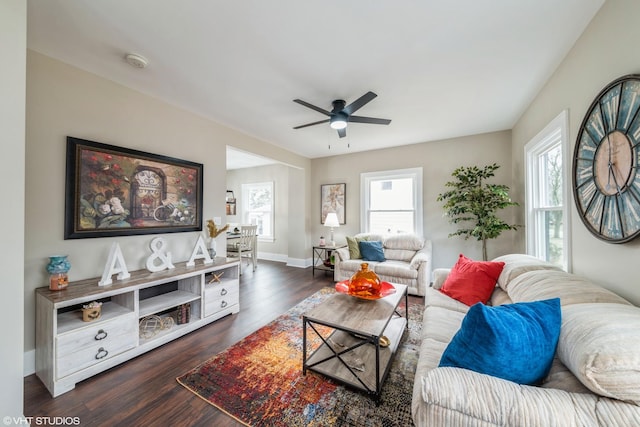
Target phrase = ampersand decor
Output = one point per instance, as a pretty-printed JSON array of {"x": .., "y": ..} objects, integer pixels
[{"x": 157, "y": 247}]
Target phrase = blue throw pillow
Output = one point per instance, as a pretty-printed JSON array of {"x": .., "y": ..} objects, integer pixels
[
  {"x": 371, "y": 251},
  {"x": 516, "y": 342}
]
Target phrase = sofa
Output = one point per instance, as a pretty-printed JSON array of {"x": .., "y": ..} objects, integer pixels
[
  {"x": 407, "y": 260},
  {"x": 594, "y": 378}
]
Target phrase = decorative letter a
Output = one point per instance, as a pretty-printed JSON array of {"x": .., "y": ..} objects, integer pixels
[{"x": 115, "y": 264}]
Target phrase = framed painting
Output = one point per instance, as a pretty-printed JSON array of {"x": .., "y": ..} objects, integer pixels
[
  {"x": 333, "y": 199},
  {"x": 115, "y": 191}
]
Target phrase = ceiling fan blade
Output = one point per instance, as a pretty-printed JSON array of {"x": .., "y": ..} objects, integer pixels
[
  {"x": 370, "y": 120},
  {"x": 313, "y": 107},
  {"x": 359, "y": 103},
  {"x": 311, "y": 124},
  {"x": 342, "y": 132}
]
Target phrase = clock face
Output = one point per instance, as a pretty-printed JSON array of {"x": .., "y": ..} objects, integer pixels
[{"x": 606, "y": 177}]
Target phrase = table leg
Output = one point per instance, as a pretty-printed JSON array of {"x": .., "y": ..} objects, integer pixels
[{"x": 304, "y": 345}]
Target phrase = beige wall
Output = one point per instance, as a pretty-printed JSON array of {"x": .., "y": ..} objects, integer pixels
[
  {"x": 291, "y": 204},
  {"x": 278, "y": 174},
  {"x": 438, "y": 160},
  {"x": 13, "y": 33},
  {"x": 606, "y": 50},
  {"x": 63, "y": 100}
]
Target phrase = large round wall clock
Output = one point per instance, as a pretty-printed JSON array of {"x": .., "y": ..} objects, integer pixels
[{"x": 606, "y": 179}]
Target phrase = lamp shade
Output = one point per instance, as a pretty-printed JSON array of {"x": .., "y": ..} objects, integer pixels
[{"x": 331, "y": 220}]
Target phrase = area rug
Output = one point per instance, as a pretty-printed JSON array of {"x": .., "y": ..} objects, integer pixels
[{"x": 259, "y": 382}]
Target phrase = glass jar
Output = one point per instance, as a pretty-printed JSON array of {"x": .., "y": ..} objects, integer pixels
[
  {"x": 365, "y": 283},
  {"x": 58, "y": 268}
]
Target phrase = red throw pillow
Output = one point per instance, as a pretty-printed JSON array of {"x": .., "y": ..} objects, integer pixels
[{"x": 472, "y": 281}]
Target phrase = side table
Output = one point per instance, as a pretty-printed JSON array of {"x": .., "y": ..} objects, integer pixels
[{"x": 322, "y": 258}]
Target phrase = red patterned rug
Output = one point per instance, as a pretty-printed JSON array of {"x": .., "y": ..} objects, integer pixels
[{"x": 259, "y": 382}]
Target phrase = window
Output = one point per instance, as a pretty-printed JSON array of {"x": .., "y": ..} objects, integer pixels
[
  {"x": 391, "y": 201},
  {"x": 257, "y": 208},
  {"x": 546, "y": 187}
]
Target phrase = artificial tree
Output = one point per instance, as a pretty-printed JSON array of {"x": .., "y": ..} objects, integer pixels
[{"x": 473, "y": 201}]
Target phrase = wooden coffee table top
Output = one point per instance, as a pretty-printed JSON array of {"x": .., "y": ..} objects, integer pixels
[{"x": 357, "y": 315}]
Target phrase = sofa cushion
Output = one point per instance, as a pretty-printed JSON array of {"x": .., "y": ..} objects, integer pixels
[
  {"x": 472, "y": 281},
  {"x": 435, "y": 298},
  {"x": 404, "y": 255},
  {"x": 441, "y": 324},
  {"x": 371, "y": 251},
  {"x": 456, "y": 397},
  {"x": 516, "y": 342},
  {"x": 396, "y": 269},
  {"x": 354, "y": 247},
  {"x": 571, "y": 289},
  {"x": 350, "y": 266},
  {"x": 407, "y": 241},
  {"x": 517, "y": 264},
  {"x": 499, "y": 297},
  {"x": 600, "y": 344}
]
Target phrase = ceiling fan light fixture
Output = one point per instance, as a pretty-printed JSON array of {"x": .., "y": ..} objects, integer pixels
[{"x": 338, "y": 122}]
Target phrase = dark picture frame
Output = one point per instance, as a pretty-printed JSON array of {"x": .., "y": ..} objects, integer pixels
[
  {"x": 333, "y": 198},
  {"x": 115, "y": 191}
]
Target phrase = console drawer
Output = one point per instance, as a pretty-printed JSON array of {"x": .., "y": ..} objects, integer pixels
[
  {"x": 220, "y": 296},
  {"x": 81, "y": 348}
]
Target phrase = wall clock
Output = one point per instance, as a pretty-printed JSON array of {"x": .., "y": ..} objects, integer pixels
[{"x": 606, "y": 179}]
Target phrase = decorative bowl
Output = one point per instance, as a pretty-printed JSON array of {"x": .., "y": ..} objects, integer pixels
[{"x": 386, "y": 289}]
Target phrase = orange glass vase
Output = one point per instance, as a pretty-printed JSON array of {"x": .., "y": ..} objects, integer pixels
[{"x": 365, "y": 283}]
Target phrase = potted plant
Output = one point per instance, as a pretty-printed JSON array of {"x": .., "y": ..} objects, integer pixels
[{"x": 473, "y": 202}]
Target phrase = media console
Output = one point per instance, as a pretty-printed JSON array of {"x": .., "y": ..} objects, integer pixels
[{"x": 69, "y": 350}]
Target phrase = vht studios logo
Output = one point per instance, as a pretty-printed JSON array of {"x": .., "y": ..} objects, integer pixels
[{"x": 42, "y": 421}]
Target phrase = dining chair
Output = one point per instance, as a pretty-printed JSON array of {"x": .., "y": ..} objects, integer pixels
[{"x": 245, "y": 246}]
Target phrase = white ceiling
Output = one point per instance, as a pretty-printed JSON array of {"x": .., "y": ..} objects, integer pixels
[
  {"x": 441, "y": 68},
  {"x": 238, "y": 159}
]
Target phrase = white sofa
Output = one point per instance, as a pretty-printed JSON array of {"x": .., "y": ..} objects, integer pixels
[
  {"x": 595, "y": 376},
  {"x": 407, "y": 261}
]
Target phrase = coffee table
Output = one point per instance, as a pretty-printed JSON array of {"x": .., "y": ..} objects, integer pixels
[{"x": 349, "y": 329}]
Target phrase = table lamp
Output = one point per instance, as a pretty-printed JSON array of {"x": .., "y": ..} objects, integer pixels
[{"x": 332, "y": 221}]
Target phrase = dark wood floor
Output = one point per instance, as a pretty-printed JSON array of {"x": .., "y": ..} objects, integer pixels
[{"x": 144, "y": 391}]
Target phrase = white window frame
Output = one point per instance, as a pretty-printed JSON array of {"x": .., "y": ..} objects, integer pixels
[
  {"x": 246, "y": 188},
  {"x": 365, "y": 180},
  {"x": 545, "y": 140}
]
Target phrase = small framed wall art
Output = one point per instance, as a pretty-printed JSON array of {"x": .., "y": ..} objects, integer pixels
[
  {"x": 115, "y": 191},
  {"x": 230, "y": 203},
  {"x": 333, "y": 199}
]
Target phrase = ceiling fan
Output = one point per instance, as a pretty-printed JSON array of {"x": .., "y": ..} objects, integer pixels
[{"x": 340, "y": 115}]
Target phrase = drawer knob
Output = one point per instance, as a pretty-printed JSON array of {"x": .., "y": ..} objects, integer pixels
[
  {"x": 223, "y": 304},
  {"x": 102, "y": 334},
  {"x": 102, "y": 353},
  {"x": 223, "y": 292}
]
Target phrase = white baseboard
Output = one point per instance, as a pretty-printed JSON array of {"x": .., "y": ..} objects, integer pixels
[
  {"x": 272, "y": 257},
  {"x": 298, "y": 262}
]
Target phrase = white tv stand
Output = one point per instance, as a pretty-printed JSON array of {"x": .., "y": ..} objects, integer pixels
[{"x": 69, "y": 350}]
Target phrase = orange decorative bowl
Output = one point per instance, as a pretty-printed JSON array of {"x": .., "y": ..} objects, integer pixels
[{"x": 386, "y": 289}]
